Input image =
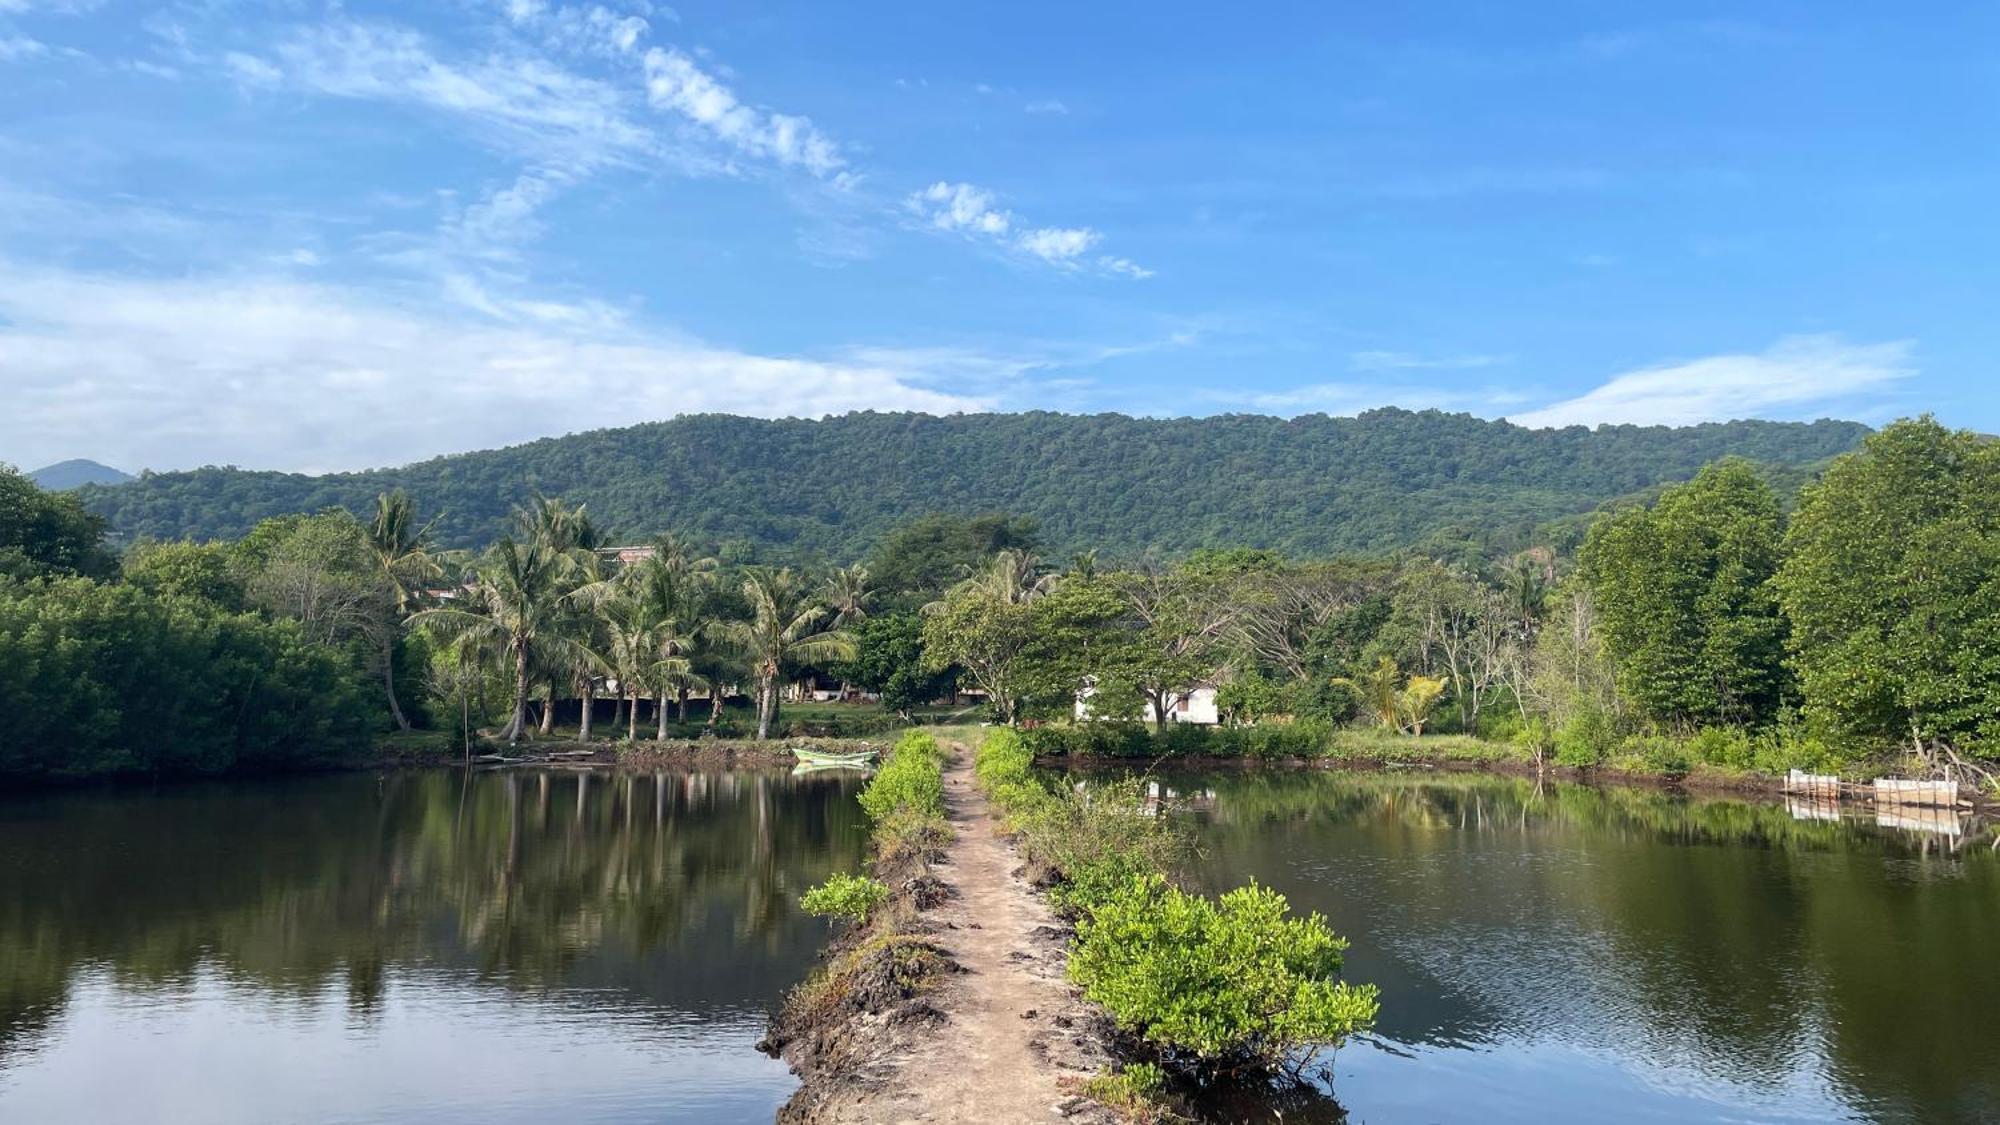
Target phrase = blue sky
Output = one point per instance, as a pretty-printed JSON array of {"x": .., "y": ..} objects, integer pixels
[{"x": 310, "y": 235}]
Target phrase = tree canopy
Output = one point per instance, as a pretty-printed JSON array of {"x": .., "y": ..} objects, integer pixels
[{"x": 793, "y": 490}]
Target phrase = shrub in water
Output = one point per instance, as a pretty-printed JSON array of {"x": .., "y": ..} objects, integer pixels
[
  {"x": 1224, "y": 984},
  {"x": 844, "y": 896}
]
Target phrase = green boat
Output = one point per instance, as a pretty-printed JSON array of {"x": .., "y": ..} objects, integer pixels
[{"x": 859, "y": 760}]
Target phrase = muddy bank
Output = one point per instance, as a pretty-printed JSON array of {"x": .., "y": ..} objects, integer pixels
[
  {"x": 1704, "y": 781},
  {"x": 689, "y": 753},
  {"x": 951, "y": 1004}
]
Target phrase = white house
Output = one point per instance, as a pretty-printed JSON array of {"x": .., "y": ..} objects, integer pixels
[{"x": 1195, "y": 705}]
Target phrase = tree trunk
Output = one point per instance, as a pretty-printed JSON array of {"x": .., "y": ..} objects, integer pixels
[
  {"x": 389, "y": 681},
  {"x": 766, "y": 687},
  {"x": 661, "y": 719},
  {"x": 681, "y": 704},
  {"x": 1159, "y": 702},
  {"x": 714, "y": 706},
  {"x": 631, "y": 715},
  {"x": 549, "y": 712},
  {"x": 583, "y": 719},
  {"x": 517, "y": 725}
]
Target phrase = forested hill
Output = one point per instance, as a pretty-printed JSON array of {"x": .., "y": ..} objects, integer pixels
[{"x": 1126, "y": 486}]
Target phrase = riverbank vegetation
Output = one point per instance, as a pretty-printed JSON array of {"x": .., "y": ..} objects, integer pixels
[
  {"x": 1713, "y": 627},
  {"x": 882, "y": 965},
  {"x": 1206, "y": 989}
]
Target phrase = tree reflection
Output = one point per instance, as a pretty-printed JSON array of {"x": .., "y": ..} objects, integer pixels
[{"x": 671, "y": 890}]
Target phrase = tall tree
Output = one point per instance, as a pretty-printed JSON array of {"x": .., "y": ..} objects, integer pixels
[
  {"x": 786, "y": 628},
  {"x": 1892, "y": 585},
  {"x": 1684, "y": 594},
  {"x": 515, "y": 606},
  {"x": 402, "y": 550}
]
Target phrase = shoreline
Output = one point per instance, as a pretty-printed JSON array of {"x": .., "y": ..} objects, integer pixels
[
  {"x": 952, "y": 1002},
  {"x": 1695, "y": 783}
]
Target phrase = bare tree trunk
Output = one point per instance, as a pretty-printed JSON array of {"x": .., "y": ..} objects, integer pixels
[
  {"x": 1159, "y": 701},
  {"x": 714, "y": 706},
  {"x": 681, "y": 704},
  {"x": 389, "y": 681},
  {"x": 583, "y": 720},
  {"x": 764, "y": 688},
  {"x": 661, "y": 719},
  {"x": 549, "y": 712},
  {"x": 631, "y": 714},
  {"x": 517, "y": 725}
]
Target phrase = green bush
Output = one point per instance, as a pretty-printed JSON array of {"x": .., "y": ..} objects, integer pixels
[
  {"x": 1727, "y": 747},
  {"x": 1655, "y": 753},
  {"x": 104, "y": 679},
  {"x": 911, "y": 781},
  {"x": 1218, "y": 983},
  {"x": 1137, "y": 1091},
  {"x": 1585, "y": 739},
  {"x": 845, "y": 896}
]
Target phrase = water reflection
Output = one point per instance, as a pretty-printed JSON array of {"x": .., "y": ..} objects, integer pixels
[
  {"x": 1557, "y": 952},
  {"x": 420, "y": 946}
]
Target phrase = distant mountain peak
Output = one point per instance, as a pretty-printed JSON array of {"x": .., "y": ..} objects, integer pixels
[{"x": 75, "y": 473}]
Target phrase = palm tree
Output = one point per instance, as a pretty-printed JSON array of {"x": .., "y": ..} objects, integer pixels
[
  {"x": 402, "y": 548},
  {"x": 847, "y": 593},
  {"x": 784, "y": 631},
  {"x": 515, "y": 605}
]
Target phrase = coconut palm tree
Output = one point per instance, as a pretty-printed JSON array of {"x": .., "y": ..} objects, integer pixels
[
  {"x": 785, "y": 630},
  {"x": 516, "y": 603},
  {"x": 848, "y": 594},
  {"x": 402, "y": 549}
]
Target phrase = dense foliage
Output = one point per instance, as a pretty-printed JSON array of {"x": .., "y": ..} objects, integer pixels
[
  {"x": 852, "y": 897},
  {"x": 1212, "y": 986},
  {"x": 1891, "y": 583},
  {"x": 1125, "y": 486},
  {"x": 46, "y": 532},
  {"x": 112, "y": 679},
  {"x": 1233, "y": 981}
]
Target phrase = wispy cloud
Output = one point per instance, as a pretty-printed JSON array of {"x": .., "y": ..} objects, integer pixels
[
  {"x": 14, "y": 47},
  {"x": 1409, "y": 361},
  {"x": 1047, "y": 106},
  {"x": 272, "y": 372},
  {"x": 972, "y": 211},
  {"x": 674, "y": 81},
  {"x": 1796, "y": 374},
  {"x": 524, "y": 105}
]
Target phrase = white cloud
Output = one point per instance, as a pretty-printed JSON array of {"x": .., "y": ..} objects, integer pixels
[
  {"x": 676, "y": 82},
  {"x": 1059, "y": 245},
  {"x": 961, "y": 207},
  {"x": 527, "y": 106},
  {"x": 279, "y": 373},
  {"x": 1796, "y": 374},
  {"x": 965, "y": 209},
  {"x": 14, "y": 47},
  {"x": 1047, "y": 105},
  {"x": 591, "y": 29}
]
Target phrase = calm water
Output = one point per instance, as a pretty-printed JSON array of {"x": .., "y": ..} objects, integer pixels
[
  {"x": 1563, "y": 954},
  {"x": 417, "y": 947}
]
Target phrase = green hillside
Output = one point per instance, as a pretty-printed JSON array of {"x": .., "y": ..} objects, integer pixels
[{"x": 1314, "y": 484}]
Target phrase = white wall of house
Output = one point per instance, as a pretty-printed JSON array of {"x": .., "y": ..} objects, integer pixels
[{"x": 1195, "y": 706}]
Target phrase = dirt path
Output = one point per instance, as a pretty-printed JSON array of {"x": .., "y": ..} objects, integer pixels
[{"x": 1014, "y": 1025}]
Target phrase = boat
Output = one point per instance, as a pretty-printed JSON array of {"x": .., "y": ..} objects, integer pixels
[
  {"x": 807, "y": 769},
  {"x": 855, "y": 760}
]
